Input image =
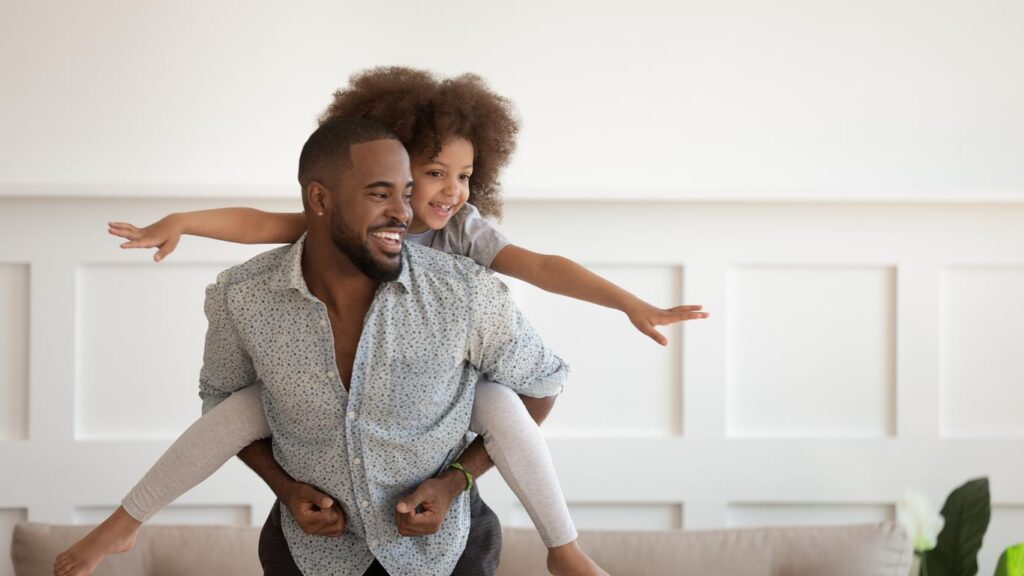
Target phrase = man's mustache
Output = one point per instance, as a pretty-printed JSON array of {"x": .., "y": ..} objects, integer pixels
[{"x": 392, "y": 224}]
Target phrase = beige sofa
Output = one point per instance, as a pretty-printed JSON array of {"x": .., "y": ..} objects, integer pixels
[{"x": 868, "y": 550}]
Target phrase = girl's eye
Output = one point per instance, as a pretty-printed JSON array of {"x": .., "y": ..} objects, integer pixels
[
  {"x": 435, "y": 173},
  {"x": 464, "y": 177}
]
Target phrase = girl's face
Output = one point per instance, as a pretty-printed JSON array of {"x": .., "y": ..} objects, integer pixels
[{"x": 441, "y": 185}]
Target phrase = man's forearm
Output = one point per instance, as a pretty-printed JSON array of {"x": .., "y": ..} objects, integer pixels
[
  {"x": 475, "y": 458},
  {"x": 260, "y": 457}
]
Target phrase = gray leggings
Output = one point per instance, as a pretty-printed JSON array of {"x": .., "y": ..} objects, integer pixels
[{"x": 511, "y": 437}]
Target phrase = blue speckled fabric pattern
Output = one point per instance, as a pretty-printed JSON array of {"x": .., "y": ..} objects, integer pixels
[{"x": 427, "y": 338}]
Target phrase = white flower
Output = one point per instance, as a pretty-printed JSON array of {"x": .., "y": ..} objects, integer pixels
[{"x": 918, "y": 517}]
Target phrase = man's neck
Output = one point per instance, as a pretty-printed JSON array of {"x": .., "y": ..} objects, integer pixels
[{"x": 332, "y": 277}]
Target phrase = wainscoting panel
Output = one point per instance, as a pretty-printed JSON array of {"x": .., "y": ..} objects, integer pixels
[
  {"x": 140, "y": 335},
  {"x": 983, "y": 351},
  {"x": 14, "y": 326},
  {"x": 611, "y": 359},
  {"x": 812, "y": 351}
]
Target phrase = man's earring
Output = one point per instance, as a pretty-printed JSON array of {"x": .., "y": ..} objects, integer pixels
[{"x": 319, "y": 213}]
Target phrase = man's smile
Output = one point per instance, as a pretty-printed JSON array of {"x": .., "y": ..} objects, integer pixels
[{"x": 389, "y": 241}]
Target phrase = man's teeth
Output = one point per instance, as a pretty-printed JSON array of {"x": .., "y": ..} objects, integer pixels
[{"x": 393, "y": 236}]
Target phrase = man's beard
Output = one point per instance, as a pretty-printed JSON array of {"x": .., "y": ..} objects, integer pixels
[{"x": 359, "y": 254}]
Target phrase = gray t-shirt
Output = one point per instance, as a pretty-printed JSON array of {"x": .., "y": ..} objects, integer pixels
[{"x": 467, "y": 233}]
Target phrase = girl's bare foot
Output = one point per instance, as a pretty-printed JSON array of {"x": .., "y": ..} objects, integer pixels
[
  {"x": 570, "y": 560},
  {"x": 115, "y": 535}
]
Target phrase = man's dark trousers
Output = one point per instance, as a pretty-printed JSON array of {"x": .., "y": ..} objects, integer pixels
[{"x": 480, "y": 558}]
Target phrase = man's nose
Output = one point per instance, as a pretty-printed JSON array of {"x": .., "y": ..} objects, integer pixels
[{"x": 399, "y": 209}]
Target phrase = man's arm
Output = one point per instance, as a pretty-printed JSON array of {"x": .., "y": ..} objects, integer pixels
[
  {"x": 227, "y": 367},
  {"x": 315, "y": 512},
  {"x": 508, "y": 351},
  {"x": 434, "y": 496}
]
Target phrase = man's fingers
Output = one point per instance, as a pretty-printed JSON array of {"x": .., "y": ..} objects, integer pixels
[
  {"x": 313, "y": 496},
  {"x": 410, "y": 503},
  {"x": 322, "y": 522},
  {"x": 417, "y": 524}
]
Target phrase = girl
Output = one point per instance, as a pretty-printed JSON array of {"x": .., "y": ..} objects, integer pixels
[{"x": 459, "y": 135}]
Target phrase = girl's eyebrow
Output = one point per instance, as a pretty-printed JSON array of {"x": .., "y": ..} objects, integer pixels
[{"x": 438, "y": 162}]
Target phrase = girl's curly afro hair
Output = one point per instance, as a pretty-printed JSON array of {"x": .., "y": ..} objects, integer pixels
[{"x": 425, "y": 112}]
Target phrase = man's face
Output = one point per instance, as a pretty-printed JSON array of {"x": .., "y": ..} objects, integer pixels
[{"x": 370, "y": 209}]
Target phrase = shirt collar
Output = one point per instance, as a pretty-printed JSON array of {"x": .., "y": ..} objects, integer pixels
[{"x": 289, "y": 275}]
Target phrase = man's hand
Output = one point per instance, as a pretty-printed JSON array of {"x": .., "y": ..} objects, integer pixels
[
  {"x": 423, "y": 511},
  {"x": 315, "y": 512}
]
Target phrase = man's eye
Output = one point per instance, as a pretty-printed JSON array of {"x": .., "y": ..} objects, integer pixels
[{"x": 380, "y": 195}]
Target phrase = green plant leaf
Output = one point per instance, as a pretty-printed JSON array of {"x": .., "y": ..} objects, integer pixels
[
  {"x": 967, "y": 512},
  {"x": 1011, "y": 563}
]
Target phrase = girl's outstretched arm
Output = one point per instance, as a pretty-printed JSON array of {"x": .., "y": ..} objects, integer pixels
[
  {"x": 563, "y": 276},
  {"x": 241, "y": 225}
]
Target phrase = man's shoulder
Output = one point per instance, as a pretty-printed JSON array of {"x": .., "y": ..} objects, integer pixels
[
  {"x": 260, "y": 266},
  {"x": 453, "y": 274},
  {"x": 428, "y": 262}
]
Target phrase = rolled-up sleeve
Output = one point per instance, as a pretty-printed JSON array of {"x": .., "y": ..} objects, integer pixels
[
  {"x": 227, "y": 366},
  {"x": 506, "y": 348}
]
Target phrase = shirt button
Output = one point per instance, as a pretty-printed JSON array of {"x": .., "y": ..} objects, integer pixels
[
  {"x": 373, "y": 542},
  {"x": 330, "y": 373},
  {"x": 356, "y": 461},
  {"x": 364, "y": 503},
  {"x": 351, "y": 414},
  {"x": 323, "y": 322}
]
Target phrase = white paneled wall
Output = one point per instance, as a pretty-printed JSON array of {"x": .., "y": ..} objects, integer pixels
[
  {"x": 855, "y": 349},
  {"x": 13, "y": 351}
]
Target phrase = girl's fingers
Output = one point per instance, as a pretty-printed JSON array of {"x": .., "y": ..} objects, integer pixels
[
  {"x": 128, "y": 231},
  {"x": 655, "y": 335},
  {"x": 165, "y": 249}
]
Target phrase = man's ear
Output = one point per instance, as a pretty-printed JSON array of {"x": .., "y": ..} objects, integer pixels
[{"x": 316, "y": 198}]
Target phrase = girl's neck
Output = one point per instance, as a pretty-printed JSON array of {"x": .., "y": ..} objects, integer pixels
[{"x": 417, "y": 227}]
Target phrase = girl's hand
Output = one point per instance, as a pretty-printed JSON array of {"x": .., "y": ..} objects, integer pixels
[
  {"x": 162, "y": 235},
  {"x": 645, "y": 317}
]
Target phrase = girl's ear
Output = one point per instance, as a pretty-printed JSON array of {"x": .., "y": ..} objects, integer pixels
[{"x": 316, "y": 197}]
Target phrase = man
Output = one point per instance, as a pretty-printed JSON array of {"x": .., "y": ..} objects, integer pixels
[{"x": 369, "y": 351}]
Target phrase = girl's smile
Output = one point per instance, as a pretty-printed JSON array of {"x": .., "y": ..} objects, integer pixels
[{"x": 441, "y": 185}]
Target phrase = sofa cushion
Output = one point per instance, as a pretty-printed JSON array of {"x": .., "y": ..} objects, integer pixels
[
  {"x": 868, "y": 550},
  {"x": 864, "y": 550},
  {"x": 159, "y": 550}
]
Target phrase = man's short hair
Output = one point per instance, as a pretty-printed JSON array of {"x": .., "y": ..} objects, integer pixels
[{"x": 328, "y": 149}]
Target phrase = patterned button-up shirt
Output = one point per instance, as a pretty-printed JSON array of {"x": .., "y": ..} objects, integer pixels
[{"x": 426, "y": 339}]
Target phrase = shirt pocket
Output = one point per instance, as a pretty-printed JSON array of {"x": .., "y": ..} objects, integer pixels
[{"x": 425, "y": 387}]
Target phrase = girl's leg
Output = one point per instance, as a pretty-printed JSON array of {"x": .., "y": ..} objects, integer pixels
[
  {"x": 515, "y": 443},
  {"x": 210, "y": 442}
]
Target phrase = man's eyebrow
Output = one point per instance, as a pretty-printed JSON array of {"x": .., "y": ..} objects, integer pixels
[
  {"x": 408, "y": 184},
  {"x": 380, "y": 184}
]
